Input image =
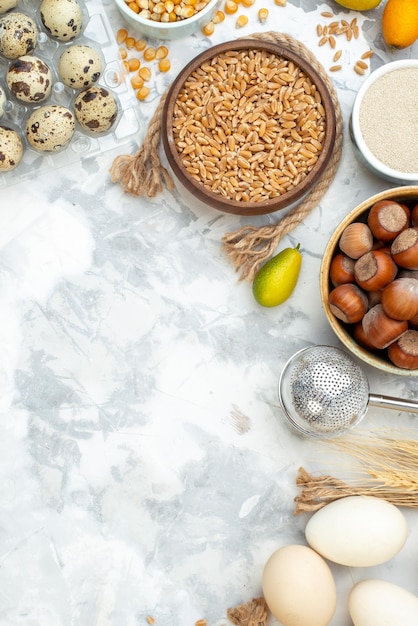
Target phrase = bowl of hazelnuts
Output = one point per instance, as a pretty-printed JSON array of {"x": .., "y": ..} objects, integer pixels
[{"x": 369, "y": 281}]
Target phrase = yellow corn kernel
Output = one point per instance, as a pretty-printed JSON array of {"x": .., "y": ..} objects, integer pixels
[
  {"x": 159, "y": 8},
  {"x": 142, "y": 93},
  {"x": 208, "y": 29},
  {"x": 164, "y": 17},
  {"x": 218, "y": 17},
  {"x": 172, "y": 17},
  {"x": 161, "y": 52},
  {"x": 123, "y": 53},
  {"x": 230, "y": 7},
  {"x": 242, "y": 20},
  {"x": 126, "y": 66},
  {"x": 134, "y": 64},
  {"x": 134, "y": 7},
  {"x": 149, "y": 54},
  {"x": 186, "y": 11},
  {"x": 164, "y": 65},
  {"x": 143, "y": 4},
  {"x": 121, "y": 35},
  {"x": 145, "y": 73},
  {"x": 280, "y": 3},
  {"x": 247, "y": 3},
  {"x": 137, "y": 82},
  {"x": 263, "y": 15},
  {"x": 130, "y": 43},
  {"x": 140, "y": 44}
]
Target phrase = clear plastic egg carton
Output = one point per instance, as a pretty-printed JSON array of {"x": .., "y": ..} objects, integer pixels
[{"x": 97, "y": 33}]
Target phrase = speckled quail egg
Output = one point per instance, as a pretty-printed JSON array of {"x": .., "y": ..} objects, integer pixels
[
  {"x": 63, "y": 19},
  {"x": 11, "y": 149},
  {"x": 3, "y": 100},
  {"x": 18, "y": 35},
  {"x": 29, "y": 79},
  {"x": 80, "y": 66},
  {"x": 50, "y": 128},
  {"x": 96, "y": 109},
  {"x": 6, "y": 5}
]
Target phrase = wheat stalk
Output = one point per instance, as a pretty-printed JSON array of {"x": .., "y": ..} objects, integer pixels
[{"x": 386, "y": 467}]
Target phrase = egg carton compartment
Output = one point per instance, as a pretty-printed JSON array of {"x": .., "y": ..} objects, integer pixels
[{"x": 98, "y": 34}]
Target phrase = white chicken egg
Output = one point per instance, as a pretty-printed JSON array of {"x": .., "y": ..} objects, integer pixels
[
  {"x": 96, "y": 109},
  {"x": 6, "y": 5},
  {"x": 63, "y": 19},
  {"x": 299, "y": 587},
  {"x": 80, "y": 66},
  {"x": 3, "y": 101},
  {"x": 29, "y": 79},
  {"x": 11, "y": 149},
  {"x": 18, "y": 35},
  {"x": 376, "y": 602},
  {"x": 50, "y": 128},
  {"x": 357, "y": 531}
]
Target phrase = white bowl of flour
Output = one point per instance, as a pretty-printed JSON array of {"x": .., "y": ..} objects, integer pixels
[{"x": 384, "y": 122}]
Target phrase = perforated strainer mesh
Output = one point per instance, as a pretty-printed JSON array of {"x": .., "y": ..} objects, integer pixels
[{"x": 323, "y": 391}]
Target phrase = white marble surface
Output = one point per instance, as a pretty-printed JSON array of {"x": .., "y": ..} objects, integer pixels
[{"x": 145, "y": 466}]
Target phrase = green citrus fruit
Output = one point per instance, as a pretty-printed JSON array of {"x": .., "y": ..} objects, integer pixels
[
  {"x": 359, "y": 5},
  {"x": 276, "y": 280}
]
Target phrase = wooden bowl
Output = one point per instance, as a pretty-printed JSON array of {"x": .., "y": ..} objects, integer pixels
[
  {"x": 227, "y": 204},
  {"x": 378, "y": 359}
]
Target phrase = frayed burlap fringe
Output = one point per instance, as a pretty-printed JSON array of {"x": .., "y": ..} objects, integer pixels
[
  {"x": 143, "y": 174},
  {"x": 252, "y": 613}
]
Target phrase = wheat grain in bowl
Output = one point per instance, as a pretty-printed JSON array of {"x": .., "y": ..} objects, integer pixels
[{"x": 248, "y": 127}]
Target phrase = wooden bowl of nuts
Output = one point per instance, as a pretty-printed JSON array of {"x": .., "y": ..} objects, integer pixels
[
  {"x": 369, "y": 281},
  {"x": 167, "y": 19},
  {"x": 248, "y": 127}
]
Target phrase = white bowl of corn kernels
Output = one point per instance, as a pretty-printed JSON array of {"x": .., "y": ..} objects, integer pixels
[{"x": 168, "y": 19}]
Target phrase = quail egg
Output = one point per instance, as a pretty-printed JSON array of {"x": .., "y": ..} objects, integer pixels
[
  {"x": 63, "y": 19},
  {"x": 18, "y": 35},
  {"x": 50, "y": 128},
  {"x": 6, "y": 5},
  {"x": 80, "y": 66},
  {"x": 96, "y": 109},
  {"x": 11, "y": 149},
  {"x": 29, "y": 79},
  {"x": 3, "y": 101}
]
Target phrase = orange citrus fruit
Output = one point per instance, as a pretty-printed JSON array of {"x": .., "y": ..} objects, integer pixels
[{"x": 400, "y": 23}]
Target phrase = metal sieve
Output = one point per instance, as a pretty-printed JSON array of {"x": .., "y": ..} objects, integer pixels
[{"x": 324, "y": 392}]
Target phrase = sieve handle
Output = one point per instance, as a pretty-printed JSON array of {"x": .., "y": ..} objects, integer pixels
[{"x": 387, "y": 402}]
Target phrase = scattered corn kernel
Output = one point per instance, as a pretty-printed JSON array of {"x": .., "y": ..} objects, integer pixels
[
  {"x": 121, "y": 35},
  {"x": 126, "y": 66},
  {"x": 130, "y": 43},
  {"x": 161, "y": 52},
  {"x": 242, "y": 20},
  {"x": 231, "y": 7},
  {"x": 137, "y": 82},
  {"x": 140, "y": 44},
  {"x": 134, "y": 64},
  {"x": 164, "y": 65},
  {"x": 142, "y": 93},
  {"x": 280, "y": 3},
  {"x": 263, "y": 15},
  {"x": 208, "y": 29},
  {"x": 149, "y": 54},
  {"x": 145, "y": 73},
  {"x": 218, "y": 17},
  {"x": 247, "y": 3},
  {"x": 123, "y": 53}
]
